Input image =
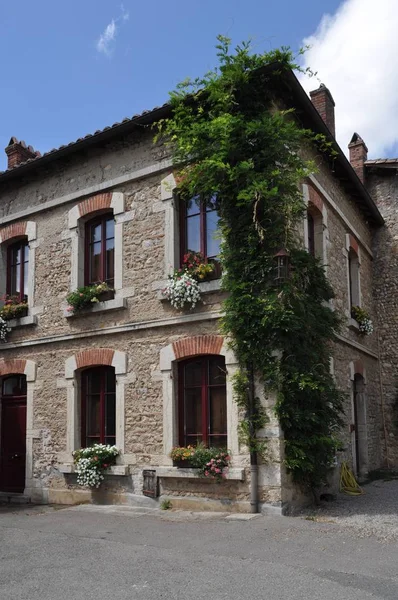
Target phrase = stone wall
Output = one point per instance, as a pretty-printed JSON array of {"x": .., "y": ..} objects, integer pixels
[{"x": 383, "y": 185}]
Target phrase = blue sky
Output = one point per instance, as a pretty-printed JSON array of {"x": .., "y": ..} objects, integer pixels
[{"x": 60, "y": 81}]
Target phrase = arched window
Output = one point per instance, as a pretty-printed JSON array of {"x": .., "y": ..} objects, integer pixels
[
  {"x": 202, "y": 401},
  {"x": 98, "y": 412},
  {"x": 314, "y": 231},
  {"x": 199, "y": 228},
  {"x": 18, "y": 269},
  {"x": 353, "y": 269},
  {"x": 100, "y": 250}
]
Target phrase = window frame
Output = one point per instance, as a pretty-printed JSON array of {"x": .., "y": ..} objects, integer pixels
[
  {"x": 101, "y": 372},
  {"x": 202, "y": 233},
  {"x": 21, "y": 244},
  {"x": 205, "y": 386},
  {"x": 354, "y": 289},
  {"x": 98, "y": 219}
]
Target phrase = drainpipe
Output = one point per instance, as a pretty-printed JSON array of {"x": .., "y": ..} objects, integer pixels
[{"x": 253, "y": 455}]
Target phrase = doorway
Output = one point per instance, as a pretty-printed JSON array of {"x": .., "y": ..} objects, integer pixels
[
  {"x": 13, "y": 434},
  {"x": 360, "y": 437}
]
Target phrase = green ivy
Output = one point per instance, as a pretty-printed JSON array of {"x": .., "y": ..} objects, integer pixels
[{"x": 233, "y": 141}]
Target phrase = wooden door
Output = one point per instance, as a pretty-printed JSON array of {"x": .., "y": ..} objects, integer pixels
[{"x": 13, "y": 434}]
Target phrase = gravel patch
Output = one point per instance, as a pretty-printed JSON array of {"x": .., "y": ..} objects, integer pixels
[{"x": 375, "y": 513}]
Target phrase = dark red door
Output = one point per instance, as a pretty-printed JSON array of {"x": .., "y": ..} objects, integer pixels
[{"x": 13, "y": 434}]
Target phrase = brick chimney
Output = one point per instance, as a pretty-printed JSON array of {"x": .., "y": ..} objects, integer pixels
[
  {"x": 18, "y": 152},
  {"x": 358, "y": 155},
  {"x": 323, "y": 101}
]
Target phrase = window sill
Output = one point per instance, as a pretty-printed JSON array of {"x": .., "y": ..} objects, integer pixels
[
  {"x": 120, "y": 470},
  {"x": 206, "y": 287},
  {"x": 353, "y": 324},
  {"x": 100, "y": 307},
  {"x": 177, "y": 473},
  {"x": 23, "y": 321}
]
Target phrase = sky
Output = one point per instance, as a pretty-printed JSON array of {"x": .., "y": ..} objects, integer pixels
[{"x": 71, "y": 68}]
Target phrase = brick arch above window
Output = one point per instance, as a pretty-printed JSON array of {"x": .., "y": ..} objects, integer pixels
[
  {"x": 93, "y": 357},
  {"x": 17, "y": 230},
  {"x": 199, "y": 344},
  {"x": 352, "y": 244},
  {"x": 315, "y": 199},
  {"x": 108, "y": 200},
  {"x": 18, "y": 366}
]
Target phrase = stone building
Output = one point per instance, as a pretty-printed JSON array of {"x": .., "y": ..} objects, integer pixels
[{"x": 103, "y": 208}]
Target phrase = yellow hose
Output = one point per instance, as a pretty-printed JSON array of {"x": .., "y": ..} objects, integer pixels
[{"x": 348, "y": 483}]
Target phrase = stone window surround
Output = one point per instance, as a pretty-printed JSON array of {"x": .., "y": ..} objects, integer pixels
[
  {"x": 29, "y": 369},
  {"x": 312, "y": 197},
  {"x": 8, "y": 235},
  {"x": 170, "y": 207},
  {"x": 352, "y": 245},
  {"x": 92, "y": 357},
  {"x": 169, "y": 356},
  {"x": 77, "y": 217}
]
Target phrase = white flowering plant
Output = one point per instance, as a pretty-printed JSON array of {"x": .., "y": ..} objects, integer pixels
[
  {"x": 91, "y": 463},
  {"x": 363, "y": 319},
  {"x": 182, "y": 289},
  {"x": 4, "y": 330}
]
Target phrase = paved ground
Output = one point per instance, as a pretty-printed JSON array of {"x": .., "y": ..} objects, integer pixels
[{"x": 107, "y": 553}]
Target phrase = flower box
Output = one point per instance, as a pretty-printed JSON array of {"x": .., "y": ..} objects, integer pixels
[{"x": 183, "y": 464}]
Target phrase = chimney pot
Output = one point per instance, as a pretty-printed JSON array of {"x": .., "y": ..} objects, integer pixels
[
  {"x": 358, "y": 155},
  {"x": 323, "y": 101}
]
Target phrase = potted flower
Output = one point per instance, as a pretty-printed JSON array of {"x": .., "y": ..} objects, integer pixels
[
  {"x": 182, "y": 456},
  {"x": 87, "y": 296},
  {"x": 183, "y": 285},
  {"x": 14, "y": 307},
  {"x": 92, "y": 462},
  {"x": 363, "y": 319}
]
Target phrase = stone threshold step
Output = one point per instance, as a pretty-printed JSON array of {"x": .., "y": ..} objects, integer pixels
[{"x": 13, "y": 498}]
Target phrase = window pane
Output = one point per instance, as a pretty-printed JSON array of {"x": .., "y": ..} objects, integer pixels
[
  {"x": 94, "y": 382},
  {"x": 26, "y": 253},
  {"x": 193, "y": 411},
  {"x": 95, "y": 270},
  {"x": 110, "y": 229},
  {"x": 193, "y": 374},
  {"x": 193, "y": 206},
  {"x": 15, "y": 279},
  {"x": 211, "y": 204},
  {"x": 110, "y": 415},
  {"x": 193, "y": 234},
  {"x": 93, "y": 415},
  {"x": 25, "y": 279},
  {"x": 14, "y": 386},
  {"x": 110, "y": 381},
  {"x": 212, "y": 234},
  {"x": 217, "y": 372},
  {"x": 217, "y": 410},
  {"x": 218, "y": 441},
  {"x": 95, "y": 235}
]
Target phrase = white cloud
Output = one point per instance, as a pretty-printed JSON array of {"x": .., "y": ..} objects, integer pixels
[
  {"x": 354, "y": 53},
  {"x": 106, "y": 39}
]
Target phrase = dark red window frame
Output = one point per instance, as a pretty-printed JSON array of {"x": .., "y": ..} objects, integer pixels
[
  {"x": 103, "y": 436},
  {"x": 18, "y": 247},
  {"x": 105, "y": 276},
  {"x": 204, "y": 435},
  {"x": 203, "y": 211}
]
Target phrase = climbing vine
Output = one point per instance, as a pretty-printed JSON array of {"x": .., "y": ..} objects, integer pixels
[{"x": 234, "y": 143}]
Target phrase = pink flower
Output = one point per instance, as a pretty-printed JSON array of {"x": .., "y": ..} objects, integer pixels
[
  {"x": 80, "y": 294},
  {"x": 70, "y": 308},
  {"x": 217, "y": 470},
  {"x": 207, "y": 473}
]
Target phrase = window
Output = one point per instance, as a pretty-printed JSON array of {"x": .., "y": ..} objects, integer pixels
[
  {"x": 315, "y": 232},
  {"x": 199, "y": 228},
  {"x": 18, "y": 269},
  {"x": 353, "y": 269},
  {"x": 100, "y": 250},
  {"x": 202, "y": 401},
  {"x": 98, "y": 414}
]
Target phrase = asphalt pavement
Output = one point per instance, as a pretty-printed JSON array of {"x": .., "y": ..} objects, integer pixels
[{"x": 113, "y": 553}]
